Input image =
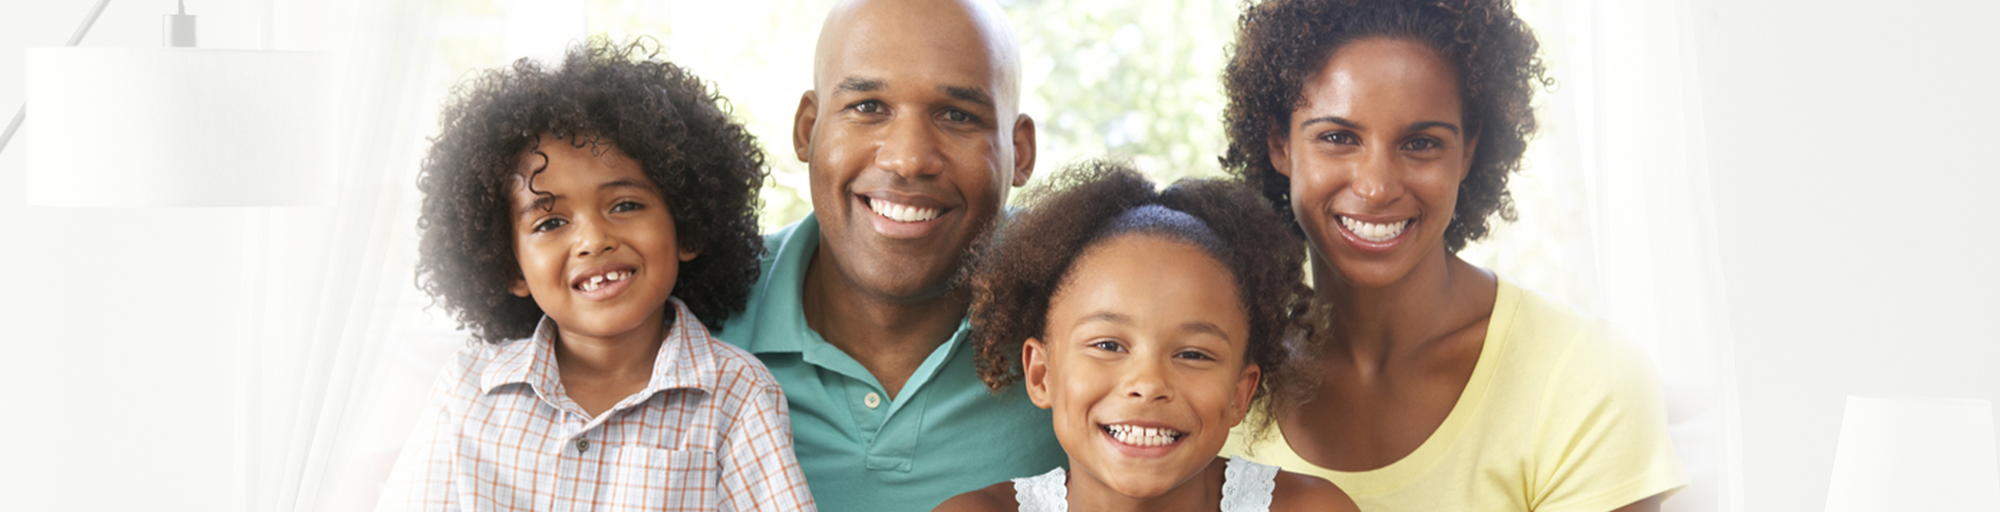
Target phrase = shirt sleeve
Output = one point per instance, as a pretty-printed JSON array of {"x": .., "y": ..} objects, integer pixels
[
  {"x": 422, "y": 478},
  {"x": 759, "y": 470},
  {"x": 1601, "y": 441}
]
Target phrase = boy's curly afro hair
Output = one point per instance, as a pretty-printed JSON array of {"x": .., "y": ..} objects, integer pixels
[
  {"x": 706, "y": 166},
  {"x": 1016, "y": 272},
  {"x": 1282, "y": 43}
]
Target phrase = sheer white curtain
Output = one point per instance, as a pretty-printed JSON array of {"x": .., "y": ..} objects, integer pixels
[{"x": 1617, "y": 214}]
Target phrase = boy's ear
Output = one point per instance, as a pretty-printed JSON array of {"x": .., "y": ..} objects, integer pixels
[
  {"x": 519, "y": 288},
  {"x": 1246, "y": 389},
  {"x": 802, "y": 125},
  {"x": 1035, "y": 371}
]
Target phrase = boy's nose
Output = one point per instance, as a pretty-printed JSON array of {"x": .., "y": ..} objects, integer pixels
[{"x": 591, "y": 239}]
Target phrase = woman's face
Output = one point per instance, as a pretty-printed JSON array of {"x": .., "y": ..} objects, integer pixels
[
  {"x": 1143, "y": 365},
  {"x": 1375, "y": 156}
]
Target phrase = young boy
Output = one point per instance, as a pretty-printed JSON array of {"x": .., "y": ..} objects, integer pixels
[{"x": 588, "y": 224}]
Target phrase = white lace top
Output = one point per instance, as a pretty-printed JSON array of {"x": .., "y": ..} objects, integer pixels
[{"x": 1246, "y": 487}]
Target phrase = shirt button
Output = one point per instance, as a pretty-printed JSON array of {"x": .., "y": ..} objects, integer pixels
[
  {"x": 582, "y": 445},
  {"x": 872, "y": 400}
]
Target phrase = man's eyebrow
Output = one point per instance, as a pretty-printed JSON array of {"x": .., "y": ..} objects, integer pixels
[
  {"x": 1330, "y": 119},
  {"x": 859, "y": 84},
  {"x": 972, "y": 94},
  {"x": 1423, "y": 125}
]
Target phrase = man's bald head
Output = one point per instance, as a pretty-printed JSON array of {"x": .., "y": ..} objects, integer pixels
[{"x": 977, "y": 26}]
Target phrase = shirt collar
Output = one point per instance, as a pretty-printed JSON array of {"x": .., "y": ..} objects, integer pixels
[
  {"x": 782, "y": 316},
  {"x": 532, "y": 361}
]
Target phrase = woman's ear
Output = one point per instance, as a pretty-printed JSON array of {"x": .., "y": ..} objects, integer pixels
[
  {"x": 1246, "y": 389},
  {"x": 1035, "y": 371},
  {"x": 1279, "y": 143}
]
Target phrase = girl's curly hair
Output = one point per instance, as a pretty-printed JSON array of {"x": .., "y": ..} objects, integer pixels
[
  {"x": 1015, "y": 273},
  {"x": 1280, "y": 44},
  {"x": 706, "y": 166}
]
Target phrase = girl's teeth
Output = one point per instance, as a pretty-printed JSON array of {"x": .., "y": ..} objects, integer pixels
[
  {"x": 1374, "y": 232},
  {"x": 1141, "y": 436}
]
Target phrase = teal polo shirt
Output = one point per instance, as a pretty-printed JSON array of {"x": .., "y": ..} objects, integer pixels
[{"x": 861, "y": 451}]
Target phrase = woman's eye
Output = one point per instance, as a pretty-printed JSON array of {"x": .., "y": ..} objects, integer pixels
[
  {"x": 550, "y": 224},
  {"x": 1107, "y": 346},
  {"x": 1340, "y": 138},
  {"x": 1422, "y": 144}
]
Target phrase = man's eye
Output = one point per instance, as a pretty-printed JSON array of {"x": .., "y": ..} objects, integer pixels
[
  {"x": 550, "y": 224},
  {"x": 958, "y": 116},
  {"x": 868, "y": 107}
]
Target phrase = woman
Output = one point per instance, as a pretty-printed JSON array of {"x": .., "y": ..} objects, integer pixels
[{"x": 1384, "y": 130}]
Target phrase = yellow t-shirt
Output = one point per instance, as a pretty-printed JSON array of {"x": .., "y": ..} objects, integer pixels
[{"x": 1562, "y": 414}]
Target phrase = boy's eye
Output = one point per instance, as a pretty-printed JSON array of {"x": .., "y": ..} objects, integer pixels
[
  {"x": 626, "y": 206},
  {"x": 550, "y": 224},
  {"x": 1107, "y": 346}
]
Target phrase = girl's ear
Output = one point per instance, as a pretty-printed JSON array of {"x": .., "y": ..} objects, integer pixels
[
  {"x": 1035, "y": 371},
  {"x": 1246, "y": 389}
]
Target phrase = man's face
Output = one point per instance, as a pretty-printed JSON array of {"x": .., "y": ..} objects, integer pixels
[{"x": 911, "y": 143}]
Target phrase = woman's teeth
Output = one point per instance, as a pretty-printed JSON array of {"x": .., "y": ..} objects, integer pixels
[
  {"x": 596, "y": 282},
  {"x": 1142, "y": 436},
  {"x": 1375, "y": 232},
  {"x": 902, "y": 212}
]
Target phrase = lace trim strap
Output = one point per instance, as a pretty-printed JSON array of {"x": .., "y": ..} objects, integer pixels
[
  {"x": 1247, "y": 486},
  {"x": 1047, "y": 492}
]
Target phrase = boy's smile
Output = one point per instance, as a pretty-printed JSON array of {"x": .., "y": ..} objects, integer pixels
[
  {"x": 595, "y": 241},
  {"x": 1143, "y": 366}
]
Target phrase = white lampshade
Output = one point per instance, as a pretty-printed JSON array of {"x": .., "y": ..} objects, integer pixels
[
  {"x": 178, "y": 127},
  {"x": 1915, "y": 454}
]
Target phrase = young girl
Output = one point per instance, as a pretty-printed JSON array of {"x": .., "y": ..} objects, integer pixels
[
  {"x": 585, "y": 223},
  {"x": 1150, "y": 324}
]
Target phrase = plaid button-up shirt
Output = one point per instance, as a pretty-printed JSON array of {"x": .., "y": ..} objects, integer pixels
[{"x": 709, "y": 432}]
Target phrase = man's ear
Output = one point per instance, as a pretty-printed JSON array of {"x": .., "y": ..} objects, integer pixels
[
  {"x": 1035, "y": 371},
  {"x": 802, "y": 125},
  {"x": 1279, "y": 144},
  {"x": 1246, "y": 389},
  {"x": 1024, "y": 149}
]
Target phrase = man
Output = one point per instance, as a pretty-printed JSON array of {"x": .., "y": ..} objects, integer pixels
[{"x": 912, "y": 136}]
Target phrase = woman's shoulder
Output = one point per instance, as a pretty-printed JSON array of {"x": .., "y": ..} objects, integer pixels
[
  {"x": 993, "y": 498},
  {"x": 1301, "y": 492},
  {"x": 1542, "y": 331}
]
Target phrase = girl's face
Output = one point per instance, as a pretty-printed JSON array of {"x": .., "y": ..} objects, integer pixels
[
  {"x": 1375, "y": 157},
  {"x": 598, "y": 253},
  {"x": 1144, "y": 364}
]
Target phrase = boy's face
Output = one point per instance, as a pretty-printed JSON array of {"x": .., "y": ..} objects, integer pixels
[
  {"x": 1143, "y": 366},
  {"x": 597, "y": 251}
]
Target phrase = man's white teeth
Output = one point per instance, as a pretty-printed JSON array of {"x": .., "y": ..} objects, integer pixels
[
  {"x": 902, "y": 212},
  {"x": 596, "y": 282},
  {"x": 1142, "y": 436},
  {"x": 1375, "y": 232}
]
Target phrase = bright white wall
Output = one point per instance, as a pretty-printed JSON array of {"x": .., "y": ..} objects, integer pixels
[
  {"x": 1856, "y": 156},
  {"x": 119, "y": 323}
]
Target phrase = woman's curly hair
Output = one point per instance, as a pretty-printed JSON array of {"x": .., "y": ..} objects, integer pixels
[
  {"x": 1015, "y": 273},
  {"x": 706, "y": 166},
  {"x": 1280, "y": 44}
]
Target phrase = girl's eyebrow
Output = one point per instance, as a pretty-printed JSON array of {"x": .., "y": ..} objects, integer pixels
[
  {"x": 1198, "y": 326},
  {"x": 1190, "y": 327}
]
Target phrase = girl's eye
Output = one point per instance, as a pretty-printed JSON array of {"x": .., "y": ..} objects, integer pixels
[
  {"x": 1195, "y": 355},
  {"x": 1107, "y": 346},
  {"x": 626, "y": 206},
  {"x": 550, "y": 224}
]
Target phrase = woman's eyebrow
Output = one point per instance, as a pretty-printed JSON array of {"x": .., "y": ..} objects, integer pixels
[
  {"x": 1424, "y": 125},
  {"x": 1330, "y": 119}
]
